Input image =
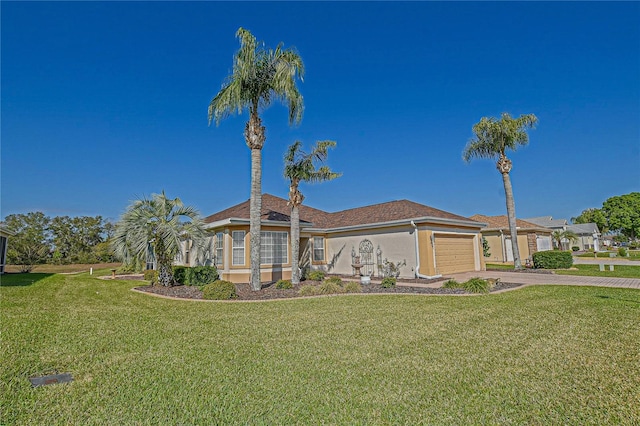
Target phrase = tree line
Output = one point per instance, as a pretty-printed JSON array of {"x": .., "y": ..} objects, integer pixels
[
  {"x": 619, "y": 214},
  {"x": 38, "y": 238}
]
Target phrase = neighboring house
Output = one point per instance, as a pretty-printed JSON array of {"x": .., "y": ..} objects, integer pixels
[
  {"x": 588, "y": 233},
  {"x": 427, "y": 242},
  {"x": 532, "y": 238},
  {"x": 4, "y": 240}
]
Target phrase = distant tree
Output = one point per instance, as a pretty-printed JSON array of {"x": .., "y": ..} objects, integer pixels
[
  {"x": 30, "y": 244},
  {"x": 559, "y": 236},
  {"x": 493, "y": 137},
  {"x": 259, "y": 77},
  {"x": 74, "y": 238},
  {"x": 593, "y": 216},
  {"x": 161, "y": 224},
  {"x": 302, "y": 167},
  {"x": 623, "y": 214}
]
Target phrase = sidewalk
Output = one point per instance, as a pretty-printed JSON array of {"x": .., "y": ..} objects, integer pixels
[{"x": 549, "y": 279}]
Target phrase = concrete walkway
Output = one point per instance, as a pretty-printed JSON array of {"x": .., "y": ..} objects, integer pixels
[{"x": 550, "y": 279}]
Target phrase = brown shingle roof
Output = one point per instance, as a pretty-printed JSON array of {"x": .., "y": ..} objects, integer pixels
[
  {"x": 502, "y": 222},
  {"x": 276, "y": 208}
]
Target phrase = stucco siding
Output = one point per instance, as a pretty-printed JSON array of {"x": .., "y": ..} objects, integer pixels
[{"x": 396, "y": 244}]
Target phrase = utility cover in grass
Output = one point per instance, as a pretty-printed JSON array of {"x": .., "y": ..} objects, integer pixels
[{"x": 50, "y": 380}]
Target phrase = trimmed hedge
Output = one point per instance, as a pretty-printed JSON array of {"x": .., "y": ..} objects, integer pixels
[
  {"x": 553, "y": 259},
  {"x": 201, "y": 275},
  {"x": 219, "y": 290},
  {"x": 179, "y": 273}
]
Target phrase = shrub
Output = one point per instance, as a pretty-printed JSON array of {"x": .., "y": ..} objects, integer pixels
[
  {"x": 151, "y": 275},
  {"x": 330, "y": 287},
  {"x": 284, "y": 284},
  {"x": 334, "y": 280},
  {"x": 219, "y": 290},
  {"x": 552, "y": 259},
  {"x": 388, "y": 282},
  {"x": 352, "y": 287},
  {"x": 451, "y": 284},
  {"x": 622, "y": 252},
  {"x": 316, "y": 275},
  {"x": 575, "y": 248},
  {"x": 179, "y": 274},
  {"x": 476, "y": 285},
  {"x": 308, "y": 290},
  {"x": 201, "y": 275}
]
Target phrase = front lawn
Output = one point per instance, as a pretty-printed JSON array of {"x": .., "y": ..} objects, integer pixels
[
  {"x": 619, "y": 271},
  {"x": 500, "y": 266},
  {"x": 538, "y": 355}
]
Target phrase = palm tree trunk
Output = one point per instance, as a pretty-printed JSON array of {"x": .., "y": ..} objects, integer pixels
[
  {"x": 255, "y": 211},
  {"x": 295, "y": 244},
  {"x": 511, "y": 215}
]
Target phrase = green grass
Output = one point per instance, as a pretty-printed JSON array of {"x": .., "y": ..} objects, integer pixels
[
  {"x": 500, "y": 266},
  {"x": 619, "y": 271},
  {"x": 538, "y": 355},
  {"x": 633, "y": 255}
]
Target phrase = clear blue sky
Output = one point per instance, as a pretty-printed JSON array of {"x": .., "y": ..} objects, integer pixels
[{"x": 103, "y": 103}]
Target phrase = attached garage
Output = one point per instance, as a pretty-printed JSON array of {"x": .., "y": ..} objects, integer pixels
[{"x": 454, "y": 253}]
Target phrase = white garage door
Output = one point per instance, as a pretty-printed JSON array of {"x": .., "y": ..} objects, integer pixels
[{"x": 454, "y": 253}]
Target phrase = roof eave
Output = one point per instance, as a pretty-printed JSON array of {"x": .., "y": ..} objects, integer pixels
[
  {"x": 242, "y": 221},
  {"x": 400, "y": 222}
]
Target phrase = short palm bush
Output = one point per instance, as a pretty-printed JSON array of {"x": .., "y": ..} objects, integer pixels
[
  {"x": 334, "y": 280},
  {"x": 284, "y": 284},
  {"x": 151, "y": 275},
  {"x": 476, "y": 285},
  {"x": 308, "y": 290},
  {"x": 330, "y": 286},
  {"x": 219, "y": 290},
  {"x": 451, "y": 284},
  {"x": 315, "y": 275},
  {"x": 388, "y": 282},
  {"x": 352, "y": 287}
]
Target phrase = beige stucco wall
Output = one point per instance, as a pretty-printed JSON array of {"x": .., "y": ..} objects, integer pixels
[
  {"x": 498, "y": 252},
  {"x": 396, "y": 243}
]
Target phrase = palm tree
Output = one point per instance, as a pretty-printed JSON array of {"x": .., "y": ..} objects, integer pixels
[
  {"x": 159, "y": 224},
  {"x": 301, "y": 167},
  {"x": 492, "y": 139},
  {"x": 259, "y": 76},
  {"x": 558, "y": 236}
]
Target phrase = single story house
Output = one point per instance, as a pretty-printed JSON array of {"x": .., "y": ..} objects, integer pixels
[
  {"x": 531, "y": 238},
  {"x": 4, "y": 243},
  {"x": 588, "y": 233},
  {"x": 423, "y": 241}
]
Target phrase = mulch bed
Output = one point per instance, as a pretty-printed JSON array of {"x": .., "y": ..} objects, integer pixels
[{"x": 270, "y": 292}]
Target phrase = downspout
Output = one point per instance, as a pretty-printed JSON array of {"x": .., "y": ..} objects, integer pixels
[{"x": 418, "y": 274}]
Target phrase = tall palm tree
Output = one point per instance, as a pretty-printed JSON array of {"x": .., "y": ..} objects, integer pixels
[
  {"x": 158, "y": 223},
  {"x": 259, "y": 76},
  {"x": 493, "y": 137},
  {"x": 301, "y": 167}
]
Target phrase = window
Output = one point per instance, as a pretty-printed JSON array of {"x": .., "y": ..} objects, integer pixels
[
  {"x": 238, "y": 247},
  {"x": 219, "y": 250},
  {"x": 318, "y": 249},
  {"x": 273, "y": 247}
]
